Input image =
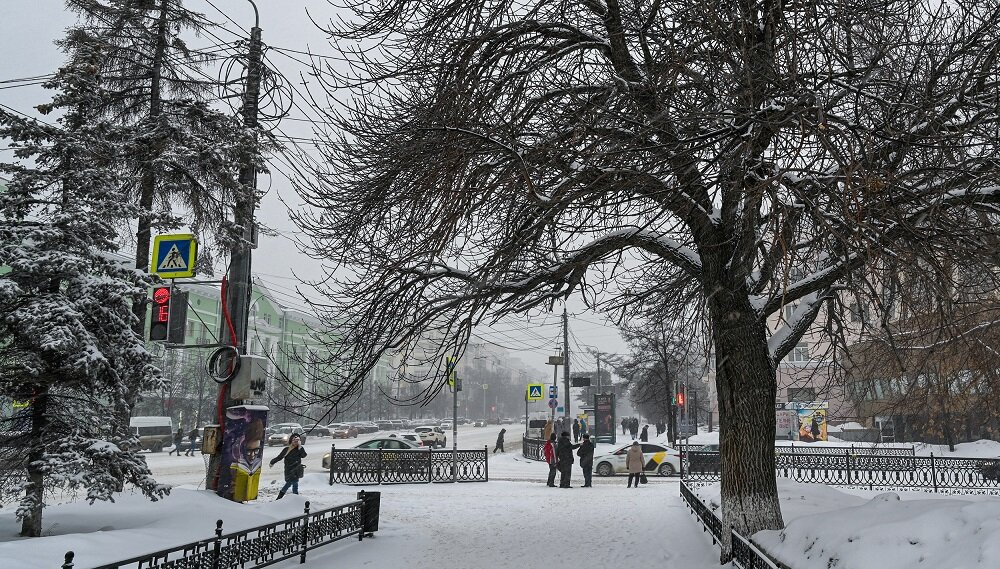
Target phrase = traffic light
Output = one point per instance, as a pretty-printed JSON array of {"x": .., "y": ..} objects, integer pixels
[
  {"x": 158, "y": 324},
  {"x": 169, "y": 315},
  {"x": 680, "y": 399}
]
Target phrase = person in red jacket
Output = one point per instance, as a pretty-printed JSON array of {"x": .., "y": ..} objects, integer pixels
[{"x": 550, "y": 457}]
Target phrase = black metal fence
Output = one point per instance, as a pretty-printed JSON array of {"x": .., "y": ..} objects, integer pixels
[
  {"x": 532, "y": 448},
  {"x": 392, "y": 466},
  {"x": 265, "y": 545},
  {"x": 858, "y": 468},
  {"x": 743, "y": 552}
]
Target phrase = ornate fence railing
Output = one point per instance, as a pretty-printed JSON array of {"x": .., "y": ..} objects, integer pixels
[
  {"x": 743, "y": 553},
  {"x": 875, "y": 472},
  {"x": 391, "y": 466},
  {"x": 532, "y": 448},
  {"x": 265, "y": 545}
]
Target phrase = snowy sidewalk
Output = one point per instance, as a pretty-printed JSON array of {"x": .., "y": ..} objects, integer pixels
[{"x": 517, "y": 525}]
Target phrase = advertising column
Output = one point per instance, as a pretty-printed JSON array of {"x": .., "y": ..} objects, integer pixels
[
  {"x": 242, "y": 452},
  {"x": 604, "y": 418}
]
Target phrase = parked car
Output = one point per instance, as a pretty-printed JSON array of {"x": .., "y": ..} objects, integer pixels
[
  {"x": 506, "y": 421},
  {"x": 446, "y": 426},
  {"x": 365, "y": 427},
  {"x": 282, "y": 436},
  {"x": 317, "y": 430},
  {"x": 380, "y": 443},
  {"x": 344, "y": 431},
  {"x": 432, "y": 436},
  {"x": 384, "y": 425},
  {"x": 658, "y": 459}
]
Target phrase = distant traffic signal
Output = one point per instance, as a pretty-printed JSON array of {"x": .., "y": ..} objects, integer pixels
[{"x": 680, "y": 399}]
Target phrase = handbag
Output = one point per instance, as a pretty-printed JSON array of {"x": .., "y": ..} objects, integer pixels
[{"x": 642, "y": 478}]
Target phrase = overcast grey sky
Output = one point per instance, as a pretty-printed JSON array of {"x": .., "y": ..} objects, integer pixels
[{"x": 28, "y": 28}]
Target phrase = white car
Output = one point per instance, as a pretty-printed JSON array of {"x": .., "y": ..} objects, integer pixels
[
  {"x": 432, "y": 436},
  {"x": 658, "y": 459},
  {"x": 410, "y": 436}
]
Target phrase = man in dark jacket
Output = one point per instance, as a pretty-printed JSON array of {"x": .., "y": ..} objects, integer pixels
[
  {"x": 292, "y": 455},
  {"x": 564, "y": 454},
  {"x": 192, "y": 439},
  {"x": 644, "y": 435},
  {"x": 499, "y": 441},
  {"x": 586, "y": 454},
  {"x": 178, "y": 441},
  {"x": 576, "y": 430}
]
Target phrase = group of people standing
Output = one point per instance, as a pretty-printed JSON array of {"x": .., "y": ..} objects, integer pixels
[
  {"x": 578, "y": 427},
  {"x": 559, "y": 457}
]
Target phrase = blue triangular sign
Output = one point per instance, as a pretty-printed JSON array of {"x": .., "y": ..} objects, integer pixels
[{"x": 536, "y": 391}]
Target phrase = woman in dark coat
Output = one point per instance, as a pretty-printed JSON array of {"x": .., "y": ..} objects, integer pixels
[
  {"x": 644, "y": 436},
  {"x": 292, "y": 455},
  {"x": 499, "y": 441}
]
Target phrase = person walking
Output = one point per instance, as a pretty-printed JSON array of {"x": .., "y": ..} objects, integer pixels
[
  {"x": 549, "y": 450},
  {"x": 576, "y": 430},
  {"x": 634, "y": 428},
  {"x": 192, "y": 439},
  {"x": 625, "y": 423},
  {"x": 499, "y": 442},
  {"x": 633, "y": 462},
  {"x": 564, "y": 454},
  {"x": 548, "y": 432},
  {"x": 178, "y": 441},
  {"x": 586, "y": 454},
  {"x": 292, "y": 455},
  {"x": 644, "y": 436}
]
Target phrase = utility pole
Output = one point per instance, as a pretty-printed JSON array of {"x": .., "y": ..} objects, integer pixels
[
  {"x": 566, "y": 409},
  {"x": 234, "y": 328}
]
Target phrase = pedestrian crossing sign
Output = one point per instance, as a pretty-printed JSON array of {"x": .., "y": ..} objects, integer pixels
[
  {"x": 535, "y": 391},
  {"x": 174, "y": 256}
]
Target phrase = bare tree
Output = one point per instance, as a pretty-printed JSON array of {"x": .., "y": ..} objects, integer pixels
[{"x": 723, "y": 159}]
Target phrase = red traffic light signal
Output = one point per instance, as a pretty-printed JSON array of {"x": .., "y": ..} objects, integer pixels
[
  {"x": 680, "y": 398},
  {"x": 159, "y": 323}
]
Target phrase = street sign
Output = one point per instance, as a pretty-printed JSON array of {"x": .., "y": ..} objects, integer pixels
[
  {"x": 174, "y": 256},
  {"x": 553, "y": 392},
  {"x": 559, "y": 409},
  {"x": 553, "y": 403},
  {"x": 535, "y": 391}
]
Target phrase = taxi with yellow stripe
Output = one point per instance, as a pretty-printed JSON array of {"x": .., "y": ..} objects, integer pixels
[{"x": 658, "y": 459}]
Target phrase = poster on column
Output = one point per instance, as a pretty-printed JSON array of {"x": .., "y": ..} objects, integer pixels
[
  {"x": 812, "y": 425},
  {"x": 242, "y": 452}
]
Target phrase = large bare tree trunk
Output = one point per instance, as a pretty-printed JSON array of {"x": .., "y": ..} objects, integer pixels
[
  {"x": 746, "y": 384},
  {"x": 31, "y": 525}
]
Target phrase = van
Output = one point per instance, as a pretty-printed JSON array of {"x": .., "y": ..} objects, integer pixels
[{"x": 154, "y": 432}]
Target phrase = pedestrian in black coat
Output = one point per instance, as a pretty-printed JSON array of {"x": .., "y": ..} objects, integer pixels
[
  {"x": 292, "y": 455},
  {"x": 192, "y": 439},
  {"x": 644, "y": 436},
  {"x": 499, "y": 441},
  {"x": 178, "y": 440},
  {"x": 564, "y": 454},
  {"x": 586, "y": 454},
  {"x": 576, "y": 430}
]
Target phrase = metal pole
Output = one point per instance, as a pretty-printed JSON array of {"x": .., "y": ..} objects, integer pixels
[
  {"x": 240, "y": 280},
  {"x": 566, "y": 404},
  {"x": 454, "y": 430}
]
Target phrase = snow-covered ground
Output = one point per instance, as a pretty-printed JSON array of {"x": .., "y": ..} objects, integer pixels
[
  {"x": 515, "y": 521},
  {"x": 828, "y": 528},
  {"x": 976, "y": 449},
  {"x": 494, "y": 525}
]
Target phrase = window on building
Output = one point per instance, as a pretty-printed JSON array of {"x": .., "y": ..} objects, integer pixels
[
  {"x": 800, "y": 353},
  {"x": 802, "y": 394}
]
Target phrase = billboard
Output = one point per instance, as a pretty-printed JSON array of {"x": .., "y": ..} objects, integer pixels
[
  {"x": 604, "y": 417},
  {"x": 812, "y": 425}
]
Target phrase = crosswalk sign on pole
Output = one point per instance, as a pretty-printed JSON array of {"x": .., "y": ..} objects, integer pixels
[
  {"x": 174, "y": 256},
  {"x": 535, "y": 391}
]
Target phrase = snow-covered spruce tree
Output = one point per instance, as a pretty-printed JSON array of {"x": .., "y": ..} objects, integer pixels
[
  {"x": 66, "y": 321},
  {"x": 183, "y": 153},
  {"x": 729, "y": 158}
]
